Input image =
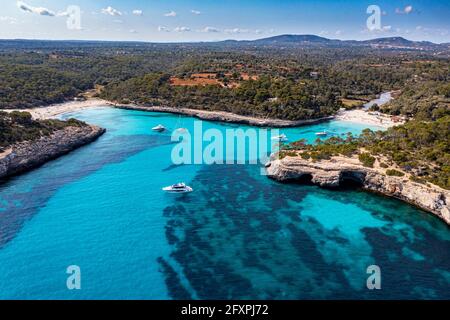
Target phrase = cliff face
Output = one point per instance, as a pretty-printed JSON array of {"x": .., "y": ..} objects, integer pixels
[
  {"x": 332, "y": 173},
  {"x": 25, "y": 156}
]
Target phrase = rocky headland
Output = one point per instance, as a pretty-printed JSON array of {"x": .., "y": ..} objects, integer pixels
[
  {"x": 334, "y": 172},
  {"x": 225, "y": 116},
  {"x": 24, "y": 156}
]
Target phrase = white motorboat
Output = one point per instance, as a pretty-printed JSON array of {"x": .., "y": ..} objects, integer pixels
[
  {"x": 159, "y": 128},
  {"x": 178, "y": 188},
  {"x": 281, "y": 138},
  {"x": 322, "y": 134}
]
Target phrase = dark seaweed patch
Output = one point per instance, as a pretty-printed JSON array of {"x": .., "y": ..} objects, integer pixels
[
  {"x": 240, "y": 237},
  {"x": 176, "y": 289}
]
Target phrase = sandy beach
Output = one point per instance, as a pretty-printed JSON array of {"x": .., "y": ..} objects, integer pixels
[
  {"x": 364, "y": 117},
  {"x": 66, "y": 107}
]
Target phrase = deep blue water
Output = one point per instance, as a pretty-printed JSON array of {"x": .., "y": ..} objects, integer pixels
[{"x": 238, "y": 235}]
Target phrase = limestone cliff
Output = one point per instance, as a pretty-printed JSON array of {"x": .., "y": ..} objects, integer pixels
[
  {"x": 331, "y": 173},
  {"x": 27, "y": 155}
]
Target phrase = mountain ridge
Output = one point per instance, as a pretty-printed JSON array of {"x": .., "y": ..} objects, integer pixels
[
  {"x": 289, "y": 40},
  {"x": 294, "y": 39}
]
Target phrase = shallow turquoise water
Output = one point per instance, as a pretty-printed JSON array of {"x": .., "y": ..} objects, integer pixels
[{"x": 239, "y": 235}]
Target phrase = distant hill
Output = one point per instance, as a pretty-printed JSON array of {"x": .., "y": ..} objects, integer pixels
[
  {"x": 400, "y": 42},
  {"x": 313, "y": 40},
  {"x": 294, "y": 38},
  {"x": 280, "y": 41}
]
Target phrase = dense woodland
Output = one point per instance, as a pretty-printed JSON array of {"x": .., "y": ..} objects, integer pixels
[
  {"x": 47, "y": 73},
  {"x": 285, "y": 88},
  {"x": 19, "y": 126},
  {"x": 427, "y": 99},
  {"x": 265, "y": 97}
]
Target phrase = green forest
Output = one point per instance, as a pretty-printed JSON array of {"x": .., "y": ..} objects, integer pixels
[
  {"x": 291, "y": 84},
  {"x": 285, "y": 88},
  {"x": 19, "y": 126},
  {"x": 40, "y": 78},
  {"x": 265, "y": 97}
]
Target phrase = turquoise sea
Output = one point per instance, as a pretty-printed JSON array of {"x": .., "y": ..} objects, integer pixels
[{"x": 239, "y": 235}]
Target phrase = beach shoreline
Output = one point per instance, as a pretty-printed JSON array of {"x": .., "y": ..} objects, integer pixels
[
  {"x": 222, "y": 116},
  {"x": 361, "y": 116},
  {"x": 358, "y": 116},
  {"x": 51, "y": 111}
]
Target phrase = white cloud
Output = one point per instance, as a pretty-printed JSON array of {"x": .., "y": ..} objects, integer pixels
[
  {"x": 111, "y": 11},
  {"x": 133, "y": 31},
  {"x": 62, "y": 14},
  {"x": 163, "y": 29},
  {"x": 406, "y": 10},
  {"x": 338, "y": 32},
  {"x": 44, "y": 12},
  {"x": 196, "y": 12},
  {"x": 170, "y": 14},
  {"x": 10, "y": 20},
  {"x": 38, "y": 10},
  {"x": 384, "y": 29},
  {"x": 182, "y": 29},
  {"x": 137, "y": 12},
  {"x": 210, "y": 30},
  {"x": 235, "y": 31}
]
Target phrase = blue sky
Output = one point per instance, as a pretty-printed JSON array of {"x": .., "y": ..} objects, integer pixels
[{"x": 208, "y": 20}]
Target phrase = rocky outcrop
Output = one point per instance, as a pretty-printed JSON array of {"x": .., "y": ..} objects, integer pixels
[
  {"x": 332, "y": 173},
  {"x": 27, "y": 155},
  {"x": 226, "y": 116}
]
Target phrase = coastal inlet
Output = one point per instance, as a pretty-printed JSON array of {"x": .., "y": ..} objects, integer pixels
[{"x": 239, "y": 235}]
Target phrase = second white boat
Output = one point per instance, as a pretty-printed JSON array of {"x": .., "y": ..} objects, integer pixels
[
  {"x": 159, "y": 128},
  {"x": 281, "y": 138},
  {"x": 178, "y": 188}
]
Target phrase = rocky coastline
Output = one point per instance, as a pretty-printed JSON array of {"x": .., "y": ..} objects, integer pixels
[
  {"x": 223, "y": 116},
  {"x": 332, "y": 173},
  {"x": 24, "y": 156}
]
